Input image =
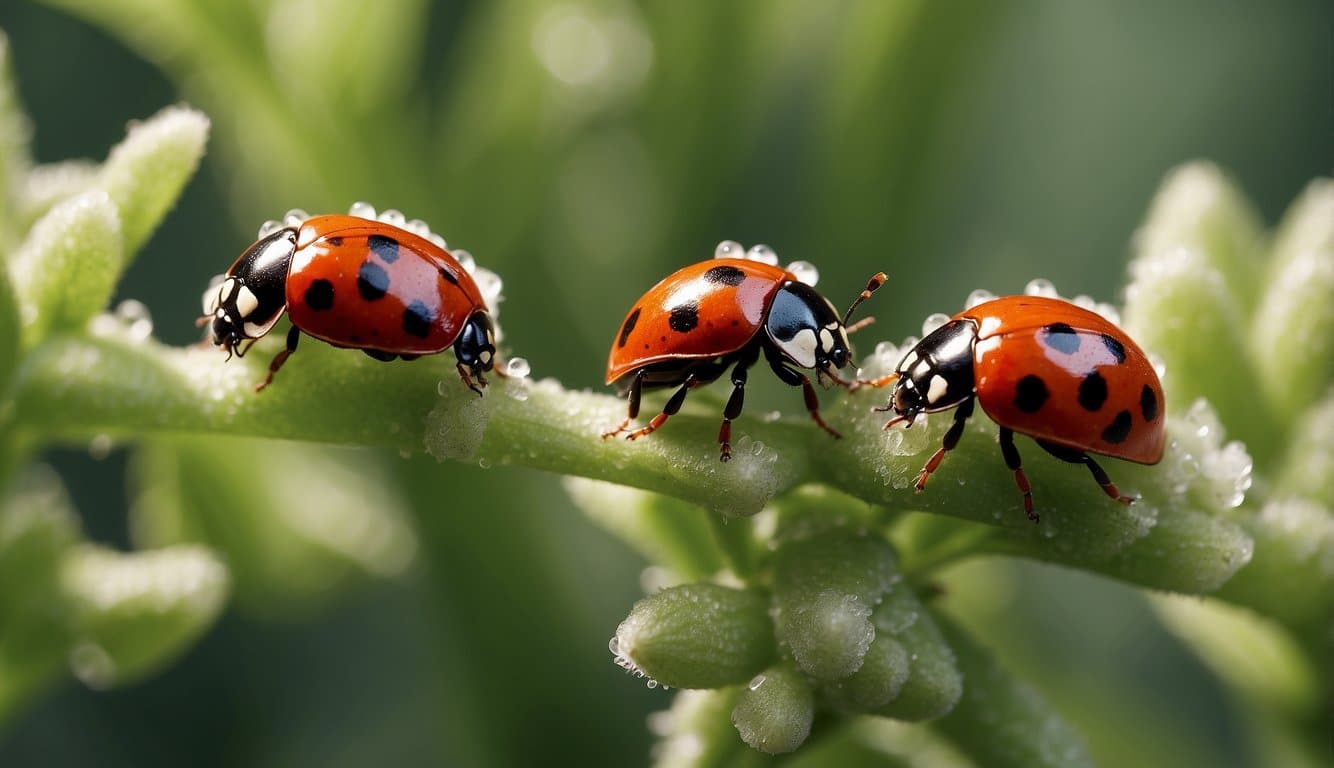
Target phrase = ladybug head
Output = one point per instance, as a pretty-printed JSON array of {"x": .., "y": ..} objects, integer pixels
[
  {"x": 806, "y": 328},
  {"x": 252, "y": 296},
  {"x": 937, "y": 373}
]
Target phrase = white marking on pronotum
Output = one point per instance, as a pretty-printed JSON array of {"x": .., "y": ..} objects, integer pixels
[
  {"x": 908, "y": 361},
  {"x": 826, "y": 339},
  {"x": 246, "y": 301},
  {"x": 801, "y": 348},
  {"x": 937, "y": 389}
]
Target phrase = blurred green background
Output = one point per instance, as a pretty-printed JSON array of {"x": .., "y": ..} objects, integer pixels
[{"x": 583, "y": 150}]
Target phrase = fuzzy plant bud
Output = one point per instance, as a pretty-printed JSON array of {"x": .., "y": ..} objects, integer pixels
[
  {"x": 934, "y": 682},
  {"x": 775, "y": 711},
  {"x": 698, "y": 635},
  {"x": 825, "y": 590},
  {"x": 884, "y": 670}
]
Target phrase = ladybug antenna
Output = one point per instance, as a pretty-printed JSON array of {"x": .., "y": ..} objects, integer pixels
[{"x": 872, "y": 285}]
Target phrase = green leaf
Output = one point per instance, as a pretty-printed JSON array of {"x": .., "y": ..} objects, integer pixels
[
  {"x": 697, "y": 636},
  {"x": 666, "y": 531},
  {"x": 9, "y": 336},
  {"x": 288, "y": 542},
  {"x": 67, "y": 269},
  {"x": 15, "y": 132},
  {"x": 1296, "y": 312},
  {"x": 46, "y": 185},
  {"x": 824, "y": 591},
  {"x": 37, "y": 528},
  {"x": 146, "y": 172},
  {"x": 775, "y": 710},
  {"x": 136, "y": 613},
  {"x": 1002, "y": 722},
  {"x": 1308, "y": 467},
  {"x": 1192, "y": 288}
]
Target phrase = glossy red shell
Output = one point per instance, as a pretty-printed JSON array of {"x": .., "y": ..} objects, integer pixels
[
  {"x": 369, "y": 285},
  {"x": 1014, "y": 341},
  {"x": 705, "y": 310}
]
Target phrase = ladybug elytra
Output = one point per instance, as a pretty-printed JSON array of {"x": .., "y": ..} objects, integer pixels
[
  {"x": 1042, "y": 367},
  {"x": 358, "y": 283},
  {"x": 687, "y": 330}
]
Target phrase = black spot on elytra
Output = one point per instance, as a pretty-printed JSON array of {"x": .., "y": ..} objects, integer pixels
[
  {"x": 1093, "y": 391},
  {"x": 725, "y": 275},
  {"x": 320, "y": 295},
  {"x": 383, "y": 246},
  {"x": 684, "y": 317},
  {"x": 1117, "y": 349},
  {"x": 1061, "y": 338},
  {"x": 382, "y": 356},
  {"x": 628, "y": 327},
  {"x": 335, "y": 241},
  {"x": 372, "y": 281},
  {"x": 449, "y": 276},
  {"x": 1030, "y": 394},
  {"x": 1119, "y": 429},
  {"x": 417, "y": 319},
  {"x": 1148, "y": 403}
]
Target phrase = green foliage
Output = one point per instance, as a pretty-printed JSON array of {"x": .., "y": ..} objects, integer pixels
[{"x": 798, "y": 577}]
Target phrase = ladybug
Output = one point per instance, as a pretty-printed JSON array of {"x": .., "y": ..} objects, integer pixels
[
  {"x": 1042, "y": 367},
  {"x": 725, "y": 312},
  {"x": 357, "y": 283}
]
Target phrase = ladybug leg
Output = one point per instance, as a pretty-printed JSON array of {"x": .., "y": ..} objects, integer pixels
[
  {"x": 1079, "y": 457},
  {"x": 734, "y": 404},
  {"x": 1012, "y": 460},
  {"x": 669, "y": 410},
  {"x": 293, "y": 336},
  {"x": 798, "y": 379},
  {"x": 636, "y": 389},
  {"x": 961, "y": 415},
  {"x": 468, "y": 379}
]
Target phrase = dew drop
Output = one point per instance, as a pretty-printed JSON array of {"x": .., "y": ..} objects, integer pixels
[
  {"x": 934, "y": 321},
  {"x": 393, "y": 217},
  {"x": 438, "y": 240},
  {"x": 728, "y": 249},
  {"x": 614, "y": 645},
  {"x": 978, "y": 296},
  {"x": 418, "y": 227},
  {"x": 362, "y": 210},
  {"x": 295, "y": 217},
  {"x": 100, "y": 447},
  {"x": 465, "y": 260},
  {"x": 442, "y": 388},
  {"x": 484, "y": 463},
  {"x": 756, "y": 682},
  {"x": 763, "y": 254},
  {"x": 517, "y": 367},
  {"x": 1041, "y": 286},
  {"x": 268, "y": 228},
  {"x": 805, "y": 272}
]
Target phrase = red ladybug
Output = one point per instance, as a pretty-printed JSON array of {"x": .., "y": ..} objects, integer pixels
[
  {"x": 725, "y": 312},
  {"x": 356, "y": 283},
  {"x": 1042, "y": 367}
]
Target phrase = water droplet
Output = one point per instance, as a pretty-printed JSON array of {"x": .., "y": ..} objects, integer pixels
[
  {"x": 756, "y": 682},
  {"x": 100, "y": 447},
  {"x": 438, "y": 240},
  {"x": 934, "y": 321},
  {"x": 805, "y": 272},
  {"x": 517, "y": 367},
  {"x": 268, "y": 228},
  {"x": 93, "y": 665},
  {"x": 442, "y": 387},
  {"x": 978, "y": 296},
  {"x": 757, "y": 448},
  {"x": 652, "y": 683},
  {"x": 393, "y": 217},
  {"x": 465, "y": 260},
  {"x": 362, "y": 210},
  {"x": 762, "y": 253},
  {"x": 728, "y": 249},
  {"x": 1041, "y": 286},
  {"x": 418, "y": 227},
  {"x": 295, "y": 217},
  {"x": 484, "y": 463}
]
